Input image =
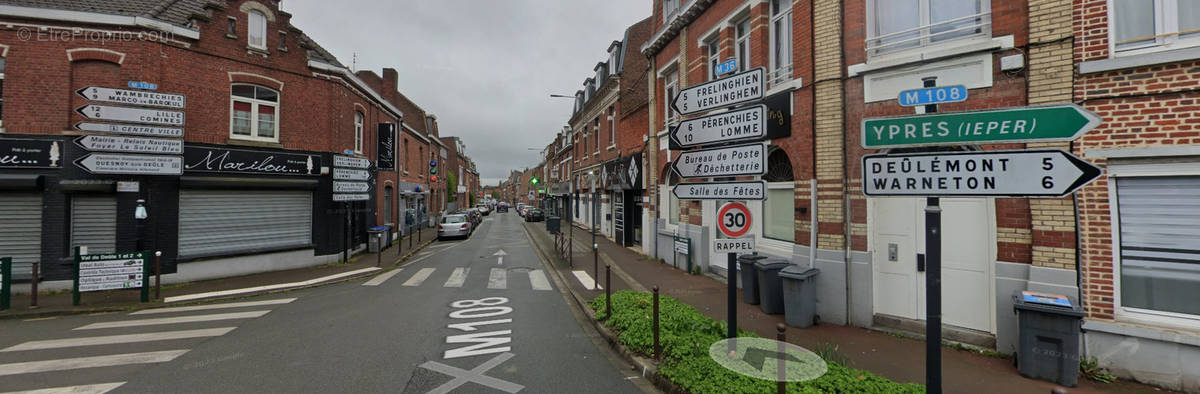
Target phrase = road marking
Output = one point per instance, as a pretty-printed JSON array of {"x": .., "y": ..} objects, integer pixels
[
  {"x": 498, "y": 279},
  {"x": 279, "y": 286},
  {"x": 175, "y": 320},
  {"x": 213, "y": 306},
  {"x": 378, "y": 280},
  {"x": 84, "y": 389},
  {"x": 500, "y": 256},
  {"x": 89, "y": 362},
  {"x": 457, "y": 278},
  {"x": 421, "y": 275},
  {"x": 537, "y": 278},
  {"x": 115, "y": 339},
  {"x": 586, "y": 280},
  {"x": 476, "y": 375}
]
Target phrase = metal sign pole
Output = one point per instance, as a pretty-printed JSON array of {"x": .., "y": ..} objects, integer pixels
[
  {"x": 933, "y": 282},
  {"x": 145, "y": 275},
  {"x": 346, "y": 234},
  {"x": 5, "y": 282},
  {"x": 75, "y": 286}
]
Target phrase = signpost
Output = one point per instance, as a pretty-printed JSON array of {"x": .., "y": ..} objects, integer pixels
[
  {"x": 735, "y": 190},
  {"x": 746, "y": 124},
  {"x": 721, "y": 93},
  {"x": 351, "y": 162},
  {"x": 115, "y": 271},
  {"x": 682, "y": 246},
  {"x": 1055, "y": 123},
  {"x": 135, "y": 115},
  {"x": 350, "y": 168},
  {"x": 733, "y": 245},
  {"x": 115, "y": 163},
  {"x": 132, "y": 97},
  {"x": 934, "y": 95},
  {"x": 129, "y": 129},
  {"x": 739, "y": 160},
  {"x": 346, "y": 197},
  {"x": 108, "y": 143},
  {"x": 350, "y": 175},
  {"x": 1030, "y": 173},
  {"x": 350, "y": 187},
  {"x": 6, "y": 282}
]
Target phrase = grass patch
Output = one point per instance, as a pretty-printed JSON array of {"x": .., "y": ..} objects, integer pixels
[
  {"x": 686, "y": 335},
  {"x": 1090, "y": 368}
]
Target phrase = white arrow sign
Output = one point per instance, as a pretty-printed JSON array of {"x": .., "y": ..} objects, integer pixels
[
  {"x": 1034, "y": 173},
  {"x": 131, "y": 129},
  {"x": 136, "y": 115},
  {"x": 114, "y": 163},
  {"x": 351, "y": 197},
  {"x": 500, "y": 256},
  {"x": 132, "y": 97},
  {"x": 737, "y": 160},
  {"x": 109, "y": 143},
  {"x": 746, "y": 124},
  {"x": 744, "y": 190},
  {"x": 351, "y": 162},
  {"x": 346, "y": 174},
  {"x": 350, "y": 187},
  {"x": 725, "y": 92}
]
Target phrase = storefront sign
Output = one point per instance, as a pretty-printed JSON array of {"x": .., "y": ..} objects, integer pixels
[
  {"x": 112, "y": 143},
  {"x": 624, "y": 173},
  {"x": 132, "y": 97},
  {"x": 206, "y": 159},
  {"x": 23, "y": 153},
  {"x": 115, "y": 163},
  {"x": 136, "y": 115},
  {"x": 129, "y": 129},
  {"x": 386, "y": 159}
]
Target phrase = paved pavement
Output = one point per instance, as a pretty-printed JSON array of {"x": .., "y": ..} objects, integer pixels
[{"x": 461, "y": 317}]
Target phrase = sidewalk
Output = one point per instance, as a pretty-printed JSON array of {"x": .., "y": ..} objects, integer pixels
[
  {"x": 896, "y": 358},
  {"x": 59, "y": 303}
]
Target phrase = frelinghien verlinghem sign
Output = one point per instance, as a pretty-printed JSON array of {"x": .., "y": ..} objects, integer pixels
[{"x": 725, "y": 92}]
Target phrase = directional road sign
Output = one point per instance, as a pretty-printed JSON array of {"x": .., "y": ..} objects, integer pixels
[
  {"x": 130, "y": 129},
  {"x": 117, "y": 163},
  {"x": 113, "y": 143},
  {"x": 1029, "y": 173},
  {"x": 746, "y": 124},
  {"x": 934, "y": 95},
  {"x": 351, "y": 197},
  {"x": 1025, "y": 124},
  {"x": 739, "y": 160},
  {"x": 136, "y": 115},
  {"x": 733, "y": 245},
  {"x": 351, "y": 162},
  {"x": 347, "y": 174},
  {"x": 132, "y": 97},
  {"x": 737, "y": 190},
  {"x": 725, "y": 92},
  {"x": 350, "y": 187},
  {"x": 726, "y": 67}
]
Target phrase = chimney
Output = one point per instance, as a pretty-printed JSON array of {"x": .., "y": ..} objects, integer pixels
[{"x": 389, "y": 80}]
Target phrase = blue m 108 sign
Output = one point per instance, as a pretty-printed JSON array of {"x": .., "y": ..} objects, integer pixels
[
  {"x": 935, "y": 95},
  {"x": 726, "y": 67}
]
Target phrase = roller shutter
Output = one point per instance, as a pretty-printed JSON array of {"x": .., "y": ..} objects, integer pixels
[
  {"x": 21, "y": 231},
  {"x": 94, "y": 223},
  {"x": 221, "y": 222},
  {"x": 1160, "y": 243}
]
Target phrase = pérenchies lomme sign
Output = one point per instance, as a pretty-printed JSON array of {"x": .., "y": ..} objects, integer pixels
[{"x": 1009, "y": 125}]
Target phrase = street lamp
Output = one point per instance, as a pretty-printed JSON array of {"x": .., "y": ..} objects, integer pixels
[{"x": 140, "y": 214}]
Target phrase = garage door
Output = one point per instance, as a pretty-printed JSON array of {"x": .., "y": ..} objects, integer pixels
[
  {"x": 222, "y": 222},
  {"x": 94, "y": 223},
  {"x": 21, "y": 233}
]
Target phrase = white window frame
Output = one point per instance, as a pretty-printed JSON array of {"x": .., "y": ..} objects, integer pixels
[
  {"x": 253, "y": 17},
  {"x": 1166, "y": 31},
  {"x": 359, "y": 118},
  {"x": 596, "y": 132},
  {"x": 612, "y": 127},
  {"x": 925, "y": 44},
  {"x": 738, "y": 40},
  {"x": 762, "y": 224},
  {"x": 1117, "y": 170},
  {"x": 782, "y": 73},
  {"x": 669, "y": 7},
  {"x": 254, "y": 104},
  {"x": 713, "y": 47},
  {"x": 670, "y": 88}
]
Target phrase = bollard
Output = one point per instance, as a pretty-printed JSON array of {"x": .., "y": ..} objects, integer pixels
[
  {"x": 410, "y": 238},
  {"x": 379, "y": 253},
  {"x": 657, "y": 347},
  {"x": 595, "y": 263},
  {"x": 158, "y": 274},
  {"x": 33, "y": 283},
  {"x": 781, "y": 368},
  {"x": 608, "y": 290}
]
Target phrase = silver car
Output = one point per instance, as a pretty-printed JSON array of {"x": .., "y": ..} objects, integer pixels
[{"x": 454, "y": 226}]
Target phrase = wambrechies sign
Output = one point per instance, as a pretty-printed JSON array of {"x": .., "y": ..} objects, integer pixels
[
  {"x": 30, "y": 153},
  {"x": 237, "y": 161}
]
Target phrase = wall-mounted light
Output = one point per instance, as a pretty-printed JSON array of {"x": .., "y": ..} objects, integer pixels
[{"x": 140, "y": 213}]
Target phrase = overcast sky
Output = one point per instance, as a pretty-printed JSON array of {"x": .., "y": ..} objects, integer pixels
[{"x": 486, "y": 68}]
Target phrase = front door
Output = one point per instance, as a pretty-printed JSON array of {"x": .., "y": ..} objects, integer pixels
[{"x": 898, "y": 238}]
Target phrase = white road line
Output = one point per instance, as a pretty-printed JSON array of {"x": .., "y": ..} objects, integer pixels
[
  {"x": 279, "y": 286},
  {"x": 174, "y": 320},
  {"x": 457, "y": 278},
  {"x": 378, "y": 280},
  {"x": 89, "y": 362},
  {"x": 84, "y": 389},
  {"x": 498, "y": 279},
  {"x": 115, "y": 339},
  {"x": 420, "y": 277},
  {"x": 537, "y": 278},
  {"x": 213, "y": 306},
  {"x": 586, "y": 280}
]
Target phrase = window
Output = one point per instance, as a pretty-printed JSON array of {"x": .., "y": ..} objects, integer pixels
[
  {"x": 231, "y": 27},
  {"x": 1159, "y": 230},
  {"x": 612, "y": 126},
  {"x": 714, "y": 58},
  {"x": 779, "y": 209},
  {"x": 742, "y": 43},
  {"x": 672, "y": 201},
  {"x": 406, "y": 154},
  {"x": 257, "y": 30},
  {"x": 669, "y": 8},
  {"x": 283, "y": 40},
  {"x": 671, "y": 87},
  {"x": 3, "y": 65},
  {"x": 900, "y": 24},
  {"x": 358, "y": 132},
  {"x": 1156, "y": 24},
  {"x": 254, "y": 113},
  {"x": 596, "y": 133},
  {"x": 781, "y": 41}
]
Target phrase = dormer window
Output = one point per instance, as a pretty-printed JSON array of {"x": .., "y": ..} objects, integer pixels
[{"x": 257, "y": 30}]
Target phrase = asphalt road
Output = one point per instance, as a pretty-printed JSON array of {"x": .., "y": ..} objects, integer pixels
[{"x": 462, "y": 317}]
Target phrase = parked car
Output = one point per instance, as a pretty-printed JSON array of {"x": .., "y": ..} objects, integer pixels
[
  {"x": 476, "y": 216},
  {"x": 502, "y": 208},
  {"x": 483, "y": 208},
  {"x": 454, "y": 226},
  {"x": 535, "y": 215}
]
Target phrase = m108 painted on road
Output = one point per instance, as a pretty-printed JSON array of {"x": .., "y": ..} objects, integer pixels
[{"x": 1029, "y": 124}]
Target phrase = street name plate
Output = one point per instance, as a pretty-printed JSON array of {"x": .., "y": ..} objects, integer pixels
[
  {"x": 721, "y": 93},
  {"x": 934, "y": 95},
  {"x": 132, "y": 97},
  {"x": 740, "y": 160},
  {"x": 350, "y": 187},
  {"x": 737, "y": 190},
  {"x": 114, "y": 163},
  {"x": 351, "y": 197},
  {"x": 735, "y": 245},
  {"x": 129, "y": 129},
  {"x": 136, "y": 115},
  {"x": 346, "y": 174},
  {"x": 746, "y": 124},
  {"x": 113, "y": 143},
  {"x": 351, "y": 162},
  {"x": 1030, "y": 173},
  {"x": 1025, "y": 124}
]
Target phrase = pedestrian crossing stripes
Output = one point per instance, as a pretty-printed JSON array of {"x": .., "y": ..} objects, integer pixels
[
  {"x": 457, "y": 278},
  {"x": 420, "y": 277},
  {"x": 89, "y": 362},
  {"x": 378, "y": 280},
  {"x": 84, "y": 389},
  {"x": 496, "y": 278},
  {"x": 586, "y": 280},
  {"x": 538, "y": 280},
  {"x": 213, "y": 306},
  {"x": 117, "y": 339},
  {"x": 174, "y": 320}
]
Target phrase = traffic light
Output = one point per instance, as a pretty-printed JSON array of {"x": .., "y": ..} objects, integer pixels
[{"x": 534, "y": 180}]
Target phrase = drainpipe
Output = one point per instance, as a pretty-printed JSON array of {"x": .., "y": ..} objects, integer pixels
[
  {"x": 812, "y": 217},
  {"x": 845, "y": 162}
]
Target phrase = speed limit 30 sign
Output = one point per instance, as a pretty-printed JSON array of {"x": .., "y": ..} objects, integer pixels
[{"x": 733, "y": 219}]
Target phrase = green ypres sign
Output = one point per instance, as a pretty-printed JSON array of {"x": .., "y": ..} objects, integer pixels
[{"x": 1022, "y": 124}]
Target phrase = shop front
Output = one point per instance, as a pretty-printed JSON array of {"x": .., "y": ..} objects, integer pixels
[
  {"x": 29, "y": 163},
  {"x": 623, "y": 180}
]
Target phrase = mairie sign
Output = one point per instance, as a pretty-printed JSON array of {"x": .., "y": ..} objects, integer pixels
[
  {"x": 725, "y": 92},
  {"x": 1024, "y": 124}
]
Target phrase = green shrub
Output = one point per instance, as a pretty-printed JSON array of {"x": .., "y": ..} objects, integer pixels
[{"x": 685, "y": 336}]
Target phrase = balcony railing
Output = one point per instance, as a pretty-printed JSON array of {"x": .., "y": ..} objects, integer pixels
[{"x": 904, "y": 39}]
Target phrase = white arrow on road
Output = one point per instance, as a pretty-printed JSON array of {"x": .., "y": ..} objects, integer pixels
[{"x": 500, "y": 256}]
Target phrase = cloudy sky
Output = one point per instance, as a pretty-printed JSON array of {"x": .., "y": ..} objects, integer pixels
[{"x": 486, "y": 68}]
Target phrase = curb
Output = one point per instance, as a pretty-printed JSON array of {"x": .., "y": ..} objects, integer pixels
[{"x": 648, "y": 366}]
